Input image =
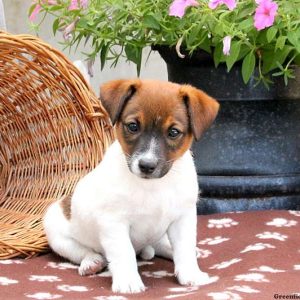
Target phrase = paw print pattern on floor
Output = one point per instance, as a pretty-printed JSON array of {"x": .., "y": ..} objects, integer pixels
[
  {"x": 221, "y": 223},
  {"x": 281, "y": 222},
  {"x": 214, "y": 241},
  {"x": 272, "y": 235},
  {"x": 257, "y": 247}
]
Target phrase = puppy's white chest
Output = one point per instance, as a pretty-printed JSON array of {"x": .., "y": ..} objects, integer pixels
[{"x": 150, "y": 219}]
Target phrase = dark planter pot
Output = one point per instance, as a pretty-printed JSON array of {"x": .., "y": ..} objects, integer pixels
[{"x": 250, "y": 157}]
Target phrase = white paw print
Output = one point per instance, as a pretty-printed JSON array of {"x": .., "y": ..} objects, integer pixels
[
  {"x": 110, "y": 298},
  {"x": 243, "y": 288},
  {"x": 11, "y": 262},
  {"x": 266, "y": 269},
  {"x": 61, "y": 266},
  {"x": 157, "y": 274},
  {"x": 203, "y": 253},
  {"x": 281, "y": 222},
  {"x": 225, "y": 264},
  {"x": 221, "y": 223},
  {"x": 272, "y": 235},
  {"x": 251, "y": 277},
  {"x": 225, "y": 296},
  {"x": 43, "y": 296},
  {"x": 294, "y": 213},
  {"x": 7, "y": 281},
  {"x": 44, "y": 278},
  {"x": 214, "y": 241},
  {"x": 72, "y": 288},
  {"x": 257, "y": 247},
  {"x": 184, "y": 289}
]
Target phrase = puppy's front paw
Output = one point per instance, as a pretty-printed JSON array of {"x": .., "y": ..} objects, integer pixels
[
  {"x": 92, "y": 264},
  {"x": 128, "y": 284},
  {"x": 195, "y": 277}
]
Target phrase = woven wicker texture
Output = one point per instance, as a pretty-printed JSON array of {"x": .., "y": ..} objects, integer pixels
[{"x": 53, "y": 130}]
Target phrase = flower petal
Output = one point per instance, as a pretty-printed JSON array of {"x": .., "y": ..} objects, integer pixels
[
  {"x": 84, "y": 3},
  {"x": 265, "y": 14},
  {"x": 214, "y": 3},
  {"x": 231, "y": 4},
  {"x": 178, "y": 7},
  {"x": 226, "y": 45},
  {"x": 35, "y": 12},
  {"x": 73, "y": 5}
]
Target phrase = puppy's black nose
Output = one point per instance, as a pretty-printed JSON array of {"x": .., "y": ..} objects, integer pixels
[{"x": 147, "y": 166}]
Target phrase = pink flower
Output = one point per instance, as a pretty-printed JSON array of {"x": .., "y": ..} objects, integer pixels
[
  {"x": 35, "y": 12},
  {"x": 226, "y": 45},
  {"x": 77, "y": 4},
  {"x": 178, "y": 7},
  {"x": 67, "y": 34},
  {"x": 265, "y": 14},
  {"x": 38, "y": 8},
  {"x": 231, "y": 4}
]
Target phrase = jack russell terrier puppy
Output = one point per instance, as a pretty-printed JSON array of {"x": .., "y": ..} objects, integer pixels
[{"x": 141, "y": 199}]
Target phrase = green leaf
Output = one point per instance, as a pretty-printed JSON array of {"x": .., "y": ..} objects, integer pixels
[
  {"x": 248, "y": 66},
  {"x": 219, "y": 30},
  {"x": 246, "y": 24},
  {"x": 294, "y": 39},
  {"x": 150, "y": 22},
  {"x": 134, "y": 54},
  {"x": 234, "y": 54},
  {"x": 192, "y": 36},
  {"x": 297, "y": 60},
  {"x": 31, "y": 9},
  {"x": 103, "y": 54},
  {"x": 82, "y": 23},
  {"x": 53, "y": 8},
  {"x": 271, "y": 33},
  {"x": 55, "y": 26},
  {"x": 271, "y": 58},
  {"x": 280, "y": 42},
  {"x": 218, "y": 55},
  {"x": 205, "y": 44}
]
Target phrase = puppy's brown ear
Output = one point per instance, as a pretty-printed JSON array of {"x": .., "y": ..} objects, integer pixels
[
  {"x": 202, "y": 109},
  {"x": 115, "y": 94}
]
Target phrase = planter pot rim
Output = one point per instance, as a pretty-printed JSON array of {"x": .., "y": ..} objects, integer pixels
[{"x": 199, "y": 70}]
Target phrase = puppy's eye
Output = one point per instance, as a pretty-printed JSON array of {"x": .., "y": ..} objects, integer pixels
[
  {"x": 133, "y": 127},
  {"x": 173, "y": 133}
]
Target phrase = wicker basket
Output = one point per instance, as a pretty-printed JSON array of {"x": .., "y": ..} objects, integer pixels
[{"x": 53, "y": 130}]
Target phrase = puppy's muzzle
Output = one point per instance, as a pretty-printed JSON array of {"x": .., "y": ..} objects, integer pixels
[{"x": 147, "y": 166}]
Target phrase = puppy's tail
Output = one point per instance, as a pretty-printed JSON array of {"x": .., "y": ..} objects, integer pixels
[{"x": 82, "y": 68}]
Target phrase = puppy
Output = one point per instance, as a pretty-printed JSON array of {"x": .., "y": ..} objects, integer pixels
[{"x": 141, "y": 199}]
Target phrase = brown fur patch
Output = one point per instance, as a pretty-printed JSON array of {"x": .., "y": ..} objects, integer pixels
[
  {"x": 158, "y": 106},
  {"x": 65, "y": 204},
  {"x": 202, "y": 109}
]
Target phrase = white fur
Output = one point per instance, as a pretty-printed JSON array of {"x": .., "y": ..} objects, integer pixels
[{"x": 118, "y": 214}]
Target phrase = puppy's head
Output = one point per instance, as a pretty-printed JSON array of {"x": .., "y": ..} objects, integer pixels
[{"x": 156, "y": 121}]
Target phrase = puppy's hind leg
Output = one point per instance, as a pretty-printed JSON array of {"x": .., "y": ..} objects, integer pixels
[
  {"x": 57, "y": 229},
  {"x": 163, "y": 248},
  {"x": 90, "y": 262},
  {"x": 147, "y": 253}
]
